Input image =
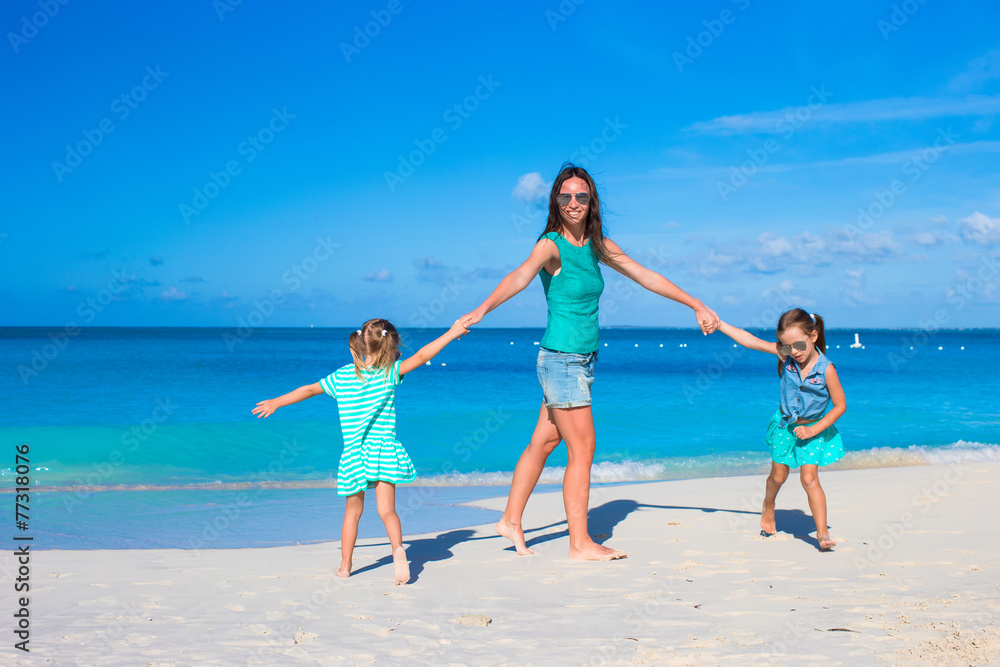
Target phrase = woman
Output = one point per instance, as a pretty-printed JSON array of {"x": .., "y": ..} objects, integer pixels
[{"x": 567, "y": 256}]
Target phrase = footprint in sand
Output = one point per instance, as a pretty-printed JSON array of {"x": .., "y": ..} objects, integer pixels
[
  {"x": 687, "y": 565},
  {"x": 479, "y": 620},
  {"x": 302, "y": 637},
  {"x": 373, "y": 629}
]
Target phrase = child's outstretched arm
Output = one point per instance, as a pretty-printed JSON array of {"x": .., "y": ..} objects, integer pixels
[
  {"x": 747, "y": 339},
  {"x": 267, "y": 408},
  {"x": 429, "y": 351},
  {"x": 839, "y": 407}
]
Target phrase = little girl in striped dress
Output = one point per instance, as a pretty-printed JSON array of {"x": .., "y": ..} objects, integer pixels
[{"x": 372, "y": 457}]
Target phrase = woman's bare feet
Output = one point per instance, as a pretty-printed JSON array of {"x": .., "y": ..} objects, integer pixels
[
  {"x": 594, "y": 551},
  {"x": 825, "y": 543},
  {"x": 767, "y": 524},
  {"x": 344, "y": 571},
  {"x": 513, "y": 532},
  {"x": 402, "y": 567}
]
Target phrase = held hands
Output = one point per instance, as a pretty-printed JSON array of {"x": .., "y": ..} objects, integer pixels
[
  {"x": 266, "y": 408},
  {"x": 470, "y": 318},
  {"x": 707, "y": 319},
  {"x": 459, "y": 328}
]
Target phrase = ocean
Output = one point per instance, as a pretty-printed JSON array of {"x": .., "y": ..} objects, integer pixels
[{"x": 143, "y": 437}]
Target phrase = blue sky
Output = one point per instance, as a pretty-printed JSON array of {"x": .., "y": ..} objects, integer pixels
[{"x": 203, "y": 164}]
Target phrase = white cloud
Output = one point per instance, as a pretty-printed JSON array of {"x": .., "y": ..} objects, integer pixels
[
  {"x": 173, "y": 294},
  {"x": 801, "y": 255},
  {"x": 785, "y": 286},
  {"x": 895, "y": 108},
  {"x": 775, "y": 246},
  {"x": 380, "y": 276},
  {"x": 713, "y": 263},
  {"x": 531, "y": 188},
  {"x": 980, "y": 229},
  {"x": 854, "y": 288},
  {"x": 875, "y": 247},
  {"x": 978, "y": 72},
  {"x": 934, "y": 238}
]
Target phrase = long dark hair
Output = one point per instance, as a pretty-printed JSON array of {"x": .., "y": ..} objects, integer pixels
[
  {"x": 796, "y": 317},
  {"x": 594, "y": 227}
]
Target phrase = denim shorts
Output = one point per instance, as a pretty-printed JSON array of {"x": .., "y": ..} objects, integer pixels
[{"x": 565, "y": 377}]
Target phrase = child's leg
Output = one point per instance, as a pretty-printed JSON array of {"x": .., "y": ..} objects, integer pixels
[
  {"x": 779, "y": 473},
  {"x": 385, "y": 497},
  {"x": 349, "y": 531},
  {"x": 809, "y": 475}
]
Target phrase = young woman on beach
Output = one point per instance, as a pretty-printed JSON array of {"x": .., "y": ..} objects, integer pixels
[
  {"x": 372, "y": 457},
  {"x": 800, "y": 435},
  {"x": 567, "y": 257}
]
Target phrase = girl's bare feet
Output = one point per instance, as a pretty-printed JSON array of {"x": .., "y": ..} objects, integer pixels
[
  {"x": 344, "y": 571},
  {"x": 595, "y": 551},
  {"x": 825, "y": 543},
  {"x": 402, "y": 567},
  {"x": 513, "y": 532},
  {"x": 767, "y": 524}
]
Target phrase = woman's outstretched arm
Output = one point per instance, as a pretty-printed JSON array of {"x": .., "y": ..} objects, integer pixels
[
  {"x": 515, "y": 281},
  {"x": 656, "y": 283}
]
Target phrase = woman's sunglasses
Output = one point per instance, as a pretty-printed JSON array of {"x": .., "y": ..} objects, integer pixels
[
  {"x": 786, "y": 350},
  {"x": 564, "y": 198}
]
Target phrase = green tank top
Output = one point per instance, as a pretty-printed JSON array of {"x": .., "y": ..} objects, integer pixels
[{"x": 572, "y": 296}]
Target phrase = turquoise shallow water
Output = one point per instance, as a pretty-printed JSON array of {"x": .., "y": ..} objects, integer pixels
[{"x": 142, "y": 423}]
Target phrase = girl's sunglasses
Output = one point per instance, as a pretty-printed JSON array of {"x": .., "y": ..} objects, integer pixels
[
  {"x": 564, "y": 198},
  {"x": 799, "y": 345}
]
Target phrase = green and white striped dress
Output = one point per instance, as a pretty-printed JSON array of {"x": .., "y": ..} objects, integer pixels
[{"x": 367, "y": 408}]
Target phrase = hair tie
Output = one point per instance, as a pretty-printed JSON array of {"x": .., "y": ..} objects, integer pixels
[
  {"x": 359, "y": 332},
  {"x": 813, "y": 318},
  {"x": 383, "y": 333}
]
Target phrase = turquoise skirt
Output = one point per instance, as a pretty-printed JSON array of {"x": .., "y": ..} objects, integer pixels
[{"x": 822, "y": 449}]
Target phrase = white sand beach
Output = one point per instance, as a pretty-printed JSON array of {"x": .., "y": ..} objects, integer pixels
[{"x": 914, "y": 580}]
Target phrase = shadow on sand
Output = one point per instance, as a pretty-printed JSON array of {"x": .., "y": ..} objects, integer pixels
[
  {"x": 426, "y": 550},
  {"x": 602, "y": 521},
  {"x": 798, "y": 524}
]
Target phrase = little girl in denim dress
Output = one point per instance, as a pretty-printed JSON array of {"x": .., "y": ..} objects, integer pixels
[{"x": 801, "y": 433}]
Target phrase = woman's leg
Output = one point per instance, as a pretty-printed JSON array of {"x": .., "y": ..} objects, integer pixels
[
  {"x": 544, "y": 439},
  {"x": 809, "y": 476},
  {"x": 576, "y": 426},
  {"x": 779, "y": 473},
  {"x": 385, "y": 498},
  {"x": 349, "y": 532}
]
